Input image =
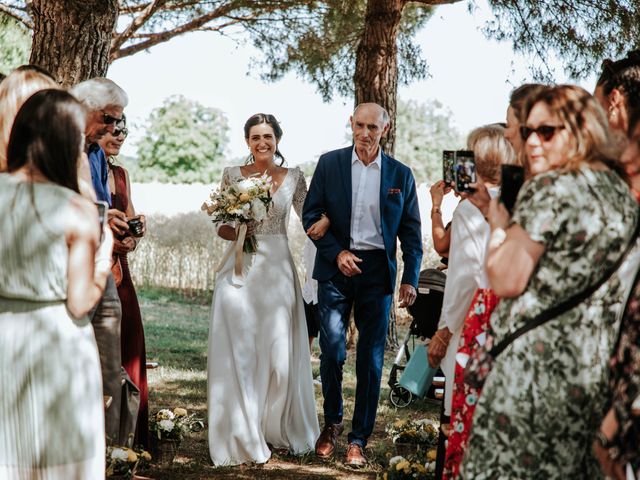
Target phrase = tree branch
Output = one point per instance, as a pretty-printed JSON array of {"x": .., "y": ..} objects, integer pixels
[
  {"x": 162, "y": 37},
  {"x": 11, "y": 12},
  {"x": 137, "y": 22}
]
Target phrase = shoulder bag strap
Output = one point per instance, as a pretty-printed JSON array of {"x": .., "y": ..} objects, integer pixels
[{"x": 569, "y": 303}]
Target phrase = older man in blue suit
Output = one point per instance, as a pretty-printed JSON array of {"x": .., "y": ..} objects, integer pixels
[{"x": 371, "y": 201}]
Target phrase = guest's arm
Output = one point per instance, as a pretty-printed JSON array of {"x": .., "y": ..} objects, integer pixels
[
  {"x": 441, "y": 236},
  {"x": 512, "y": 255},
  {"x": 89, "y": 261}
]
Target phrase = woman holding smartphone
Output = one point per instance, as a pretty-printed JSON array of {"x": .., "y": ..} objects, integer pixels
[{"x": 542, "y": 401}]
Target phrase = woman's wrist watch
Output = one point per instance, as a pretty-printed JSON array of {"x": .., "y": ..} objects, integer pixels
[{"x": 435, "y": 211}]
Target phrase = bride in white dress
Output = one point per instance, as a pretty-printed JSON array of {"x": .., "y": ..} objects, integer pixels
[{"x": 260, "y": 390}]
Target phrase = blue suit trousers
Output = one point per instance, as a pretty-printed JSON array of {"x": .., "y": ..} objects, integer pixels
[{"x": 369, "y": 294}]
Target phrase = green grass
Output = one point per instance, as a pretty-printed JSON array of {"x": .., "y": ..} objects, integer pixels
[{"x": 176, "y": 329}]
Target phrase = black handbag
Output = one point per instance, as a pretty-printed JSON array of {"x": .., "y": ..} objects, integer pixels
[{"x": 481, "y": 361}]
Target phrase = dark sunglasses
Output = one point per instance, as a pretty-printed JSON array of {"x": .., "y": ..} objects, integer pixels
[
  {"x": 109, "y": 120},
  {"x": 121, "y": 131},
  {"x": 545, "y": 132}
]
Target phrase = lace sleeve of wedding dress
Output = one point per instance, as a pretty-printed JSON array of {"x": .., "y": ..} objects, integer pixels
[{"x": 300, "y": 193}]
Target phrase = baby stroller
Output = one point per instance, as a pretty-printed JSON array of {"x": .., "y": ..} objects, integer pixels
[{"x": 426, "y": 314}]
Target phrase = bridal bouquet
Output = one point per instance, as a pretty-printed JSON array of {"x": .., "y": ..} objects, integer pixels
[{"x": 242, "y": 201}]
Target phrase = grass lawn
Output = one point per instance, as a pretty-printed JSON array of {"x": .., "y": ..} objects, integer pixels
[{"x": 176, "y": 337}]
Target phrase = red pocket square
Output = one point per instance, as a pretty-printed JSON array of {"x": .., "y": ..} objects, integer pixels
[{"x": 394, "y": 191}]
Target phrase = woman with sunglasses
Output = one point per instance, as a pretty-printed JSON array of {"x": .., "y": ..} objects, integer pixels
[
  {"x": 616, "y": 444},
  {"x": 132, "y": 342},
  {"x": 573, "y": 220}
]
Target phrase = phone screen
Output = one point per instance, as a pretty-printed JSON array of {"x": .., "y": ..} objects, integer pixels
[
  {"x": 464, "y": 170},
  {"x": 512, "y": 180},
  {"x": 448, "y": 157}
]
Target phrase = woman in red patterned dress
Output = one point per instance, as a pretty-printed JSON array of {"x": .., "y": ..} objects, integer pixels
[
  {"x": 132, "y": 342},
  {"x": 476, "y": 324}
]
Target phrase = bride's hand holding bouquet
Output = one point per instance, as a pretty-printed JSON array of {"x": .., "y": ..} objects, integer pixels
[{"x": 245, "y": 203}]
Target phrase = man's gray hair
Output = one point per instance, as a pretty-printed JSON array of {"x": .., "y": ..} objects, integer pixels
[
  {"x": 98, "y": 93},
  {"x": 385, "y": 115}
]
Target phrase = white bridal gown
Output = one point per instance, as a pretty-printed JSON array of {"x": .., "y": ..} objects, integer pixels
[{"x": 260, "y": 388}]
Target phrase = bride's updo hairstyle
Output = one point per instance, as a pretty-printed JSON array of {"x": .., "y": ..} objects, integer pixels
[{"x": 270, "y": 120}]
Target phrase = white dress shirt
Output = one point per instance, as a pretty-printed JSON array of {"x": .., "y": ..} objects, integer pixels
[
  {"x": 470, "y": 234},
  {"x": 366, "y": 228}
]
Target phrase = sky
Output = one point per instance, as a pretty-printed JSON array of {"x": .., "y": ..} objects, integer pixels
[{"x": 469, "y": 74}]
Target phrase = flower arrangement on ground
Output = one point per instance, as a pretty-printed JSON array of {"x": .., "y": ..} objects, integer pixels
[
  {"x": 125, "y": 462},
  {"x": 173, "y": 424},
  {"x": 242, "y": 201},
  {"x": 423, "y": 432},
  {"x": 401, "y": 468}
]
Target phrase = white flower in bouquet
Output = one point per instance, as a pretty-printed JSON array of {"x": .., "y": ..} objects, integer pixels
[
  {"x": 165, "y": 414},
  {"x": 119, "y": 454},
  {"x": 241, "y": 201},
  {"x": 258, "y": 210},
  {"x": 246, "y": 185},
  {"x": 166, "y": 425},
  {"x": 396, "y": 459}
]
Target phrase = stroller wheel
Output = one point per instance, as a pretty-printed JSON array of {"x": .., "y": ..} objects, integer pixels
[{"x": 400, "y": 396}]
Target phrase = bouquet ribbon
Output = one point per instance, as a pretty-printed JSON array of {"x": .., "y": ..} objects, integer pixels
[{"x": 236, "y": 246}]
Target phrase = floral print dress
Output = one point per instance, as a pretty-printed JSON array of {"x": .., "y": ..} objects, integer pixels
[
  {"x": 465, "y": 397},
  {"x": 625, "y": 383},
  {"x": 546, "y": 394}
]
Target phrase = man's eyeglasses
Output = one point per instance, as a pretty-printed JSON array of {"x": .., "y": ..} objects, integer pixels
[
  {"x": 121, "y": 131},
  {"x": 109, "y": 119},
  {"x": 545, "y": 132}
]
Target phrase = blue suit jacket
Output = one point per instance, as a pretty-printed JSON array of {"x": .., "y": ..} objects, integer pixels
[{"x": 330, "y": 193}]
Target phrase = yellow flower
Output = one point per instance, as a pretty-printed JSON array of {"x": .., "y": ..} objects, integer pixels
[
  {"x": 132, "y": 456},
  {"x": 400, "y": 423},
  {"x": 244, "y": 197},
  {"x": 402, "y": 465},
  {"x": 180, "y": 412},
  {"x": 146, "y": 455},
  {"x": 432, "y": 454}
]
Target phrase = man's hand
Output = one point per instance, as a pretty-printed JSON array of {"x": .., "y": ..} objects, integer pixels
[
  {"x": 117, "y": 221},
  {"x": 347, "y": 263},
  {"x": 406, "y": 295},
  {"x": 438, "y": 346}
]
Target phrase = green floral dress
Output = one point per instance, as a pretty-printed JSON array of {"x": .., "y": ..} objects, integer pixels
[{"x": 545, "y": 396}]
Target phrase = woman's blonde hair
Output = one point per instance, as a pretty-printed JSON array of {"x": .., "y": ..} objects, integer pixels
[
  {"x": 15, "y": 89},
  {"x": 585, "y": 120},
  {"x": 491, "y": 150}
]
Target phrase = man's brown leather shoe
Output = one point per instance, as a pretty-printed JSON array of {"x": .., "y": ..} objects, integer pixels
[
  {"x": 326, "y": 444},
  {"x": 355, "y": 456}
]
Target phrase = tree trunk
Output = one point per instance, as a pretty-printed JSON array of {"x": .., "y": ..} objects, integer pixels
[
  {"x": 71, "y": 38},
  {"x": 376, "y": 75}
]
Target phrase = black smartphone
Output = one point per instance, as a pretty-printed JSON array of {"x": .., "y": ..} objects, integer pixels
[
  {"x": 448, "y": 157},
  {"x": 512, "y": 180},
  {"x": 464, "y": 170},
  {"x": 102, "y": 214}
]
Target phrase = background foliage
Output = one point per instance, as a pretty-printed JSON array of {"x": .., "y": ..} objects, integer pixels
[
  {"x": 15, "y": 44},
  {"x": 184, "y": 142}
]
